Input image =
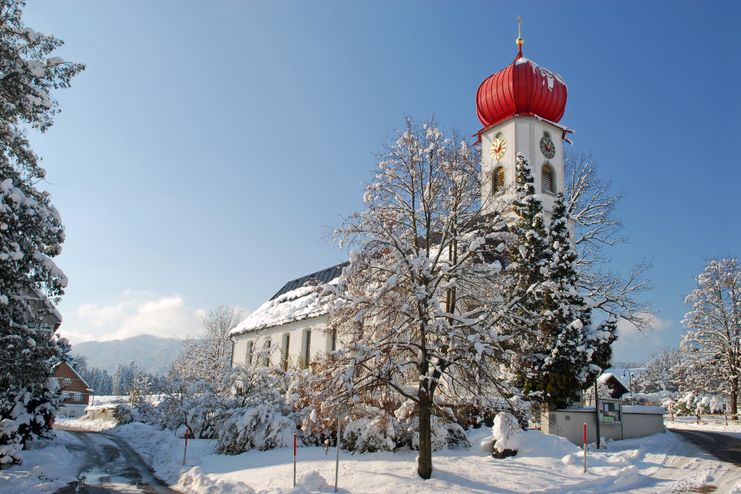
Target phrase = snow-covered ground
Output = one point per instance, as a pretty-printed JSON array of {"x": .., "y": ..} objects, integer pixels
[
  {"x": 112, "y": 399},
  {"x": 545, "y": 464},
  {"x": 714, "y": 423},
  {"x": 84, "y": 424},
  {"x": 660, "y": 463},
  {"x": 47, "y": 466}
]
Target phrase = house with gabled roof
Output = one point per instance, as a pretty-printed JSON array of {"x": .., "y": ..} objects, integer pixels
[{"x": 75, "y": 390}]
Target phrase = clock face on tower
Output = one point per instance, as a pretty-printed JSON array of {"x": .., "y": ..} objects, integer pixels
[
  {"x": 546, "y": 146},
  {"x": 498, "y": 147}
]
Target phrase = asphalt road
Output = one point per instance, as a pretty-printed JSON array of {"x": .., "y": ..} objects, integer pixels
[
  {"x": 725, "y": 448},
  {"x": 111, "y": 466}
]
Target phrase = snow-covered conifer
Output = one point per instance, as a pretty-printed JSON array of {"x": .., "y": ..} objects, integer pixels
[
  {"x": 30, "y": 233},
  {"x": 529, "y": 259},
  {"x": 559, "y": 353}
]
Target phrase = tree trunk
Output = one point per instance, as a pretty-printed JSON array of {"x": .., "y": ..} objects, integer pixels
[
  {"x": 732, "y": 399},
  {"x": 424, "y": 460}
]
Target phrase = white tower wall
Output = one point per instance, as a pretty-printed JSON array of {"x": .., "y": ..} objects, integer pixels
[{"x": 523, "y": 135}]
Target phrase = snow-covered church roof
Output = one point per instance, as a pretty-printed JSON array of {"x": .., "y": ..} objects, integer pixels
[{"x": 298, "y": 299}]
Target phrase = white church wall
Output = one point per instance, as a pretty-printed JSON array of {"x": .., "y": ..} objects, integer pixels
[{"x": 298, "y": 333}]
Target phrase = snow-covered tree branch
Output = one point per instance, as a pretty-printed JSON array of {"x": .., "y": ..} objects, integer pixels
[
  {"x": 592, "y": 207},
  {"x": 419, "y": 303},
  {"x": 31, "y": 234},
  {"x": 712, "y": 346}
]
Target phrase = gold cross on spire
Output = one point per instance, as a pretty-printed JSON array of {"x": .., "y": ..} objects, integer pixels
[{"x": 519, "y": 41}]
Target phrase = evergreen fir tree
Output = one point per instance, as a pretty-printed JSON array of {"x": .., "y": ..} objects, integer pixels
[
  {"x": 562, "y": 370},
  {"x": 558, "y": 352},
  {"x": 31, "y": 234},
  {"x": 529, "y": 260}
]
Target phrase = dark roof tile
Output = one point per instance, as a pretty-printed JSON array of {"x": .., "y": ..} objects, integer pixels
[{"x": 318, "y": 278}]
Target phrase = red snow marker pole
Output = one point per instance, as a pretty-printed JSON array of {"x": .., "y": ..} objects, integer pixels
[
  {"x": 585, "y": 447},
  {"x": 185, "y": 450},
  {"x": 294, "y": 459}
]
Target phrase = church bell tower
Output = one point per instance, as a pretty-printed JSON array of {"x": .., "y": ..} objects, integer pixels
[{"x": 520, "y": 107}]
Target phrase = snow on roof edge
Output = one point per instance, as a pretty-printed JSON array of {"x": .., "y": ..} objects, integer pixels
[{"x": 299, "y": 304}]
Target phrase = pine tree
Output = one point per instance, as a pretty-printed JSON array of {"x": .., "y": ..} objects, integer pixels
[
  {"x": 578, "y": 352},
  {"x": 558, "y": 351},
  {"x": 31, "y": 234},
  {"x": 529, "y": 259}
]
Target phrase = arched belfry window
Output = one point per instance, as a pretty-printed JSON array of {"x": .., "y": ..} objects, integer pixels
[
  {"x": 498, "y": 180},
  {"x": 548, "y": 179}
]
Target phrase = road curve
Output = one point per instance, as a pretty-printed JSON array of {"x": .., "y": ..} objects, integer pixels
[
  {"x": 111, "y": 466},
  {"x": 724, "y": 447}
]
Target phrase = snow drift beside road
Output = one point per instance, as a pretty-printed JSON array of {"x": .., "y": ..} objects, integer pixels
[{"x": 47, "y": 467}]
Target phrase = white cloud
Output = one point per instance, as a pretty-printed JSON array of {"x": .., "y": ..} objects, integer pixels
[
  {"x": 134, "y": 313},
  {"x": 653, "y": 322},
  {"x": 636, "y": 345}
]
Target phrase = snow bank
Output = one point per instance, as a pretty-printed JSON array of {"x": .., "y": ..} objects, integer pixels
[
  {"x": 537, "y": 444},
  {"x": 47, "y": 467},
  {"x": 160, "y": 449},
  {"x": 708, "y": 423},
  {"x": 195, "y": 482},
  {"x": 312, "y": 481}
]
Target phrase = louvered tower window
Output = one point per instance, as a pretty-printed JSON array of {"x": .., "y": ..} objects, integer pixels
[
  {"x": 548, "y": 179},
  {"x": 498, "y": 180}
]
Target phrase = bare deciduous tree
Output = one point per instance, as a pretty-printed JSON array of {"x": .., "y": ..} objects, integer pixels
[
  {"x": 712, "y": 345},
  {"x": 209, "y": 357},
  {"x": 593, "y": 208},
  {"x": 419, "y": 303}
]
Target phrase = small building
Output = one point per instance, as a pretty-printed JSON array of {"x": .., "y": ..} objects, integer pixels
[
  {"x": 75, "y": 391},
  {"x": 615, "y": 387},
  {"x": 614, "y": 419}
]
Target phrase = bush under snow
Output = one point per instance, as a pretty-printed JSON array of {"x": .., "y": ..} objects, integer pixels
[
  {"x": 506, "y": 434},
  {"x": 262, "y": 427}
]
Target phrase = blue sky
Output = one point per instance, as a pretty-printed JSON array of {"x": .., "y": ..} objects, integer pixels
[{"x": 203, "y": 154}]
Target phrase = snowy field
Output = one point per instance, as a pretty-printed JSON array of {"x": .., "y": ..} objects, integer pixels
[{"x": 546, "y": 464}]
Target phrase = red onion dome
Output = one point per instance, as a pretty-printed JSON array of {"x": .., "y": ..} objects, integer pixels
[{"x": 521, "y": 88}]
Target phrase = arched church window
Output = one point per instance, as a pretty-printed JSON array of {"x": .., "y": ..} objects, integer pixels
[
  {"x": 548, "y": 179},
  {"x": 498, "y": 180}
]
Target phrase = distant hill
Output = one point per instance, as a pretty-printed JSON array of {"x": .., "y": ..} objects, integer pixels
[{"x": 148, "y": 352}]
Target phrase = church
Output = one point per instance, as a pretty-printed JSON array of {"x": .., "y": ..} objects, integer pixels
[{"x": 520, "y": 108}]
